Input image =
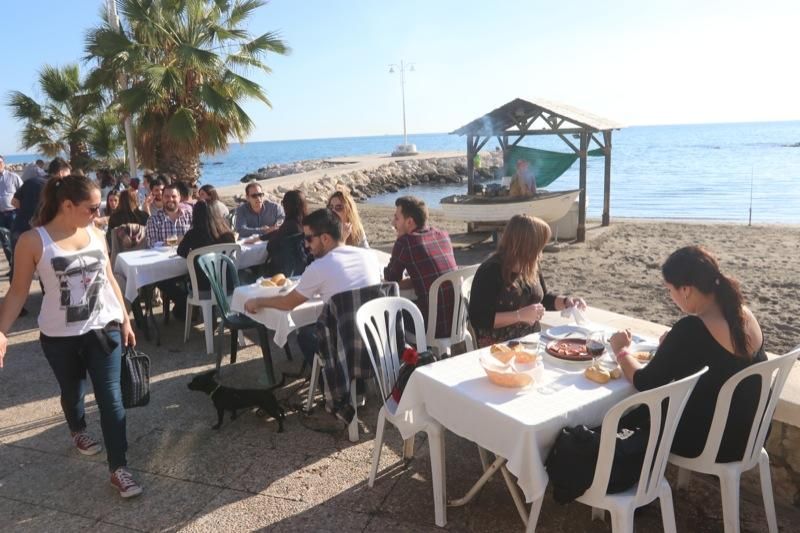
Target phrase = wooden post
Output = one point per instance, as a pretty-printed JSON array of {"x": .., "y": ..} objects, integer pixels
[
  {"x": 582, "y": 184},
  {"x": 607, "y": 179},
  {"x": 470, "y": 165}
]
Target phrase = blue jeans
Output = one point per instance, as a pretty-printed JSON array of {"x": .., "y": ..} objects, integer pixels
[{"x": 71, "y": 358}]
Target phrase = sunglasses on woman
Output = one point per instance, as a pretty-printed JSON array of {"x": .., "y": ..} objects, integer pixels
[{"x": 337, "y": 207}]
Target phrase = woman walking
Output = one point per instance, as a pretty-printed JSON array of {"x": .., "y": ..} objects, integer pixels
[{"x": 82, "y": 321}]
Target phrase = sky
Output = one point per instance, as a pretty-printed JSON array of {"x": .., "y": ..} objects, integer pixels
[{"x": 639, "y": 63}]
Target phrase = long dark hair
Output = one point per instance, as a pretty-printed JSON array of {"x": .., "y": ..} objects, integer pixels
[
  {"x": 294, "y": 205},
  {"x": 210, "y": 191},
  {"x": 694, "y": 266},
  {"x": 128, "y": 205},
  {"x": 206, "y": 220},
  {"x": 74, "y": 188}
]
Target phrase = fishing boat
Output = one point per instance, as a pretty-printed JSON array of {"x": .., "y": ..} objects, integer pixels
[{"x": 549, "y": 206}]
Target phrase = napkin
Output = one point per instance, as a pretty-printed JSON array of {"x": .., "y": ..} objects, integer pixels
[{"x": 575, "y": 313}]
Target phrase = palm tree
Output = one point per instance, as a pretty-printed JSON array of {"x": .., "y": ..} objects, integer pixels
[
  {"x": 185, "y": 61},
  {"x": 59, "y": 124}
]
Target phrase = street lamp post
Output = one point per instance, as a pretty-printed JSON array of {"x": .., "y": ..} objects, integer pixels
[
  {"x": 113, "y": 19},
  {"x": 405, "y": 148}
]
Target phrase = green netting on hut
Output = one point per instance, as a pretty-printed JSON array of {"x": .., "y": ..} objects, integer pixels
[{"x": 547, "y": 166}]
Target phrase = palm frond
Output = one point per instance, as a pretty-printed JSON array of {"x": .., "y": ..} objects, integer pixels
[
  {"x": 59, "y": 84},
  {"x": 245, "y": 87},
  {"x": 268, "y": 42},
  {"x": 23, "y": 107},
  {"x": 242, "y": 10}
]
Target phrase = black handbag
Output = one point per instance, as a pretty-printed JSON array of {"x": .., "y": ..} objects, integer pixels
[
  {"x": 573, "y": 459},
  {"x": 135, "y": 378}
]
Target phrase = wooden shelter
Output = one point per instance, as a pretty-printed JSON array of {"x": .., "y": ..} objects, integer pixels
[{"x": 517, "y": 119}]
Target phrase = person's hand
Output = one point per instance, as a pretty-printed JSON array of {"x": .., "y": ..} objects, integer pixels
[
  {"x": 530, "y": 314},
  {"x": 620, "y": 340},
  {"x": 128, "y": 337},
  {"x": 252, "y": 305},
  {"x": 347, "y": 229},
  {"x": 148, "y": 200},
  {"x": 569, "y": 301},
  {"x": 3, "y": 348},
  {"x": 663, "y": 336}
]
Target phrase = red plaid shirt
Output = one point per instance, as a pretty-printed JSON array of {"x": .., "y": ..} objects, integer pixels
[{"x": 425, "y": 254}]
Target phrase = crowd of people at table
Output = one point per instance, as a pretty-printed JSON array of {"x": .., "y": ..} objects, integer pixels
[{"x": 57, "y": 233}]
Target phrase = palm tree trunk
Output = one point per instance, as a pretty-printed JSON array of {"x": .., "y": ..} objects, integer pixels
[
  {"x": 186, "y": 167},
  {"x": 79, "y": 156}
]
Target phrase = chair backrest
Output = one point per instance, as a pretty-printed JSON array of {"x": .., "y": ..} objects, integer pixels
[
  {"x": 377, "y": 323},
  {"x": 287, "y": 255},
  {"x": 458, "y": 278},
  {"x": 126, "y": 238},
  {"x": 655, "y": 458},
  {"x": 217, "y": 267},
  {"x": 773, "y": 374},
  {"x": 230, "y": 249}
]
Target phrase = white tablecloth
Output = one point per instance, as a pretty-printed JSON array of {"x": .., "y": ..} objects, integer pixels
[
  {"x": 284, "y": 322},
  {"x": 145, "y": 267},
  {"x": 281, "y": 322},
  {"x": 520, "y": 425}
]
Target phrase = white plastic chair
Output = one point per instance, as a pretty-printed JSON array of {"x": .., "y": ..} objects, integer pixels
[
  {"x": 651, "y": 484},
  {"x": 377, "y": 324},
  {"x": 205, "y": 300},
  {"x": 461, "y": 280},
  {"x": 773, "y": 374}
]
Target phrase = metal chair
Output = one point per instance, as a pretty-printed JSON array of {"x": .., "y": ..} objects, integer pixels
[
  {"x": 773, "y": 374},
  {"x": 204, "y": 299},
  {"x": 651, "y": 484},
  {"x": 218, "y": 267}
]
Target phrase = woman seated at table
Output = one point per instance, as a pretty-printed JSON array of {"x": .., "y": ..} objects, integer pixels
[
  {"x": 345, "y": 208},
  {"x": 112, "y": 201},
  {"x": 720, "y": 332},
  {"x": 286, "y": 251},
  {"x": 207, "y": 228},
  {"x": 509, "y": 295},
  {"x": 207, "y": 193}
]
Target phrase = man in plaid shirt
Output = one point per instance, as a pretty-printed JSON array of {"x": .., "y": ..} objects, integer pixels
[
  {"x": 174, "y": 219},
  {"x": 425, "y": 253}
]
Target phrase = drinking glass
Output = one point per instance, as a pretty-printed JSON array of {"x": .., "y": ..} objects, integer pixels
[{"x": 596, "y": 345}]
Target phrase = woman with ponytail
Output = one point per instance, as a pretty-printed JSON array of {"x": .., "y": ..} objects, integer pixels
[
  {"x": 83, "y": 324},
  {"x": 720, "y": 332}
]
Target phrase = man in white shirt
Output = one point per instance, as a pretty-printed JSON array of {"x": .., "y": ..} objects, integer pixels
[
  {"x": 33, "y": 170},
  {"x": 9, "y": 183},
  {"x": 336, "y": 268}
]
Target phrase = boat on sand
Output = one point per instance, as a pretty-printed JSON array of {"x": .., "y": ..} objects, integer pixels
[{"x": 549, "y": 206}]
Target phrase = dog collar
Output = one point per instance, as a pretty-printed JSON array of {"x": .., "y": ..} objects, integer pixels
[{"x": 213, "y": 391}]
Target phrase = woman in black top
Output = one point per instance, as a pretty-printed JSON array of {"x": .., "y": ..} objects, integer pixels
[
  {"x": 286, "y": 251},
  {"x": 509, "y": 296},
  {"x": 721, "y": 333},
  {"x": 127, "y": 211},
  {"x": 207, "y": 228}
]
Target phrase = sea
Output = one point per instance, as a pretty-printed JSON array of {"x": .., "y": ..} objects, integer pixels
[{"x": 730, "y": 172}]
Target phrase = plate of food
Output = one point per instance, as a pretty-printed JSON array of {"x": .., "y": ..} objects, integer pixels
[
  {"x": 277, "y": 284},
  {"x": 570, "y": 350},
  {"x": 643, "y": 351},
  {"x": 567, "y": 330}
]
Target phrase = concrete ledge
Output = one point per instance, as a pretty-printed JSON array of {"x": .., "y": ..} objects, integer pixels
[{"x": 788, "y": 409}]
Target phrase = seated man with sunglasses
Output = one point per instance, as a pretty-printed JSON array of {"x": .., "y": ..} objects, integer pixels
[
  {"x": 257, "y": 216},
  {"x": 337, "y": 268}
]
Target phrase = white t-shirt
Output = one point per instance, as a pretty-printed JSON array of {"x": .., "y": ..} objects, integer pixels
[{"x": 342, "y": 269}]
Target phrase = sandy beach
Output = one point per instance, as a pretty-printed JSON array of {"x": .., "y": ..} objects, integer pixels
[{"x": 619, "y": 267}]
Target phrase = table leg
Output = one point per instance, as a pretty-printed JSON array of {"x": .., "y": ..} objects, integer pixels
[
  {"x": 263, "y": 339},
  {"x": 150, "y": 319},
  {"x": 536, "y": 506},
  {"x": 438, "y": 477}
]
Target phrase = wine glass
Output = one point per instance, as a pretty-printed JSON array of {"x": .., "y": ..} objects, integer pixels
[
  {"x": 596, "y": 345},
  {"x": 172, "y": 239}
]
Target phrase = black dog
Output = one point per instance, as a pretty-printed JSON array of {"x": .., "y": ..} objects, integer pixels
[{"x": 230, "y": 399}]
